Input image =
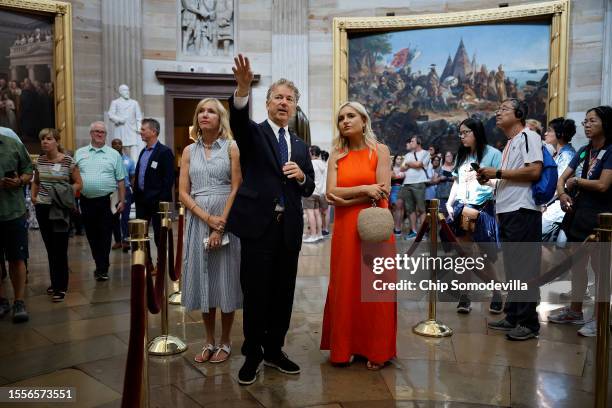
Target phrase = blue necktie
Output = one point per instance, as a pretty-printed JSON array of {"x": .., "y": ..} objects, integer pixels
[{"x": 283, "y": 152}]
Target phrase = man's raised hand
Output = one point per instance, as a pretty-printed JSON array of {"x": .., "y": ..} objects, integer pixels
[{"x": 242, "y": 74}]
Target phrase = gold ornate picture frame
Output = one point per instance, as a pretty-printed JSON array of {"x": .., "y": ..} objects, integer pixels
[
  {"x": 33, "y": 46},
  {"x": 553, "y": 15}
]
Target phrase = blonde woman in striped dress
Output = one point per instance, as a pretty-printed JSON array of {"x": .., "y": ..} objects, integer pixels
[{"x": 209, "y": 179}]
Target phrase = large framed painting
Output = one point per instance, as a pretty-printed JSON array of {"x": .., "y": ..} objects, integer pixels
[
  {"x": 422, "y": 75},
  {"x": 36, "y": 88}
]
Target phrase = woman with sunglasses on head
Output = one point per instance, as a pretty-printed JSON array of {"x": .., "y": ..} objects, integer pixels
[
  {"x": 208, "y": 184},
  {"x": 467, "y": 192},
  {"x": 53, "y": 195},
  {"x": 584, "y": 192}
]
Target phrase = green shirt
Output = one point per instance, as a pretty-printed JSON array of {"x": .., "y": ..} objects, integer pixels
[
  {"x": 101, "y": 169},
  {"x": 13, "y": 158}
]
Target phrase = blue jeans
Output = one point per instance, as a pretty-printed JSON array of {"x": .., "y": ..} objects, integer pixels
[{"x": 125, "y": 214}]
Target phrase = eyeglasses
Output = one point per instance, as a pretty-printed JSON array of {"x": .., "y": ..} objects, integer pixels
[
  {"x": 503, "y": 109},
  {"x": 465, "y": 132},
  {"x": 591, "y": 122},
  {"x": 99, "y": 131}
]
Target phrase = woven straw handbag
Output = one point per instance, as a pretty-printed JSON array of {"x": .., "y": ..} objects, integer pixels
[{"x": 375, "y": 224}]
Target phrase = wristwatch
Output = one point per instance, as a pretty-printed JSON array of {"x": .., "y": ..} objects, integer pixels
[{"x": 498, "y": 174}]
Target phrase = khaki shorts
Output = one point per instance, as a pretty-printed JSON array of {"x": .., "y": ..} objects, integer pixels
[
  {"x": 310, "y": 203},
  {"x": 413, "y": 196}
]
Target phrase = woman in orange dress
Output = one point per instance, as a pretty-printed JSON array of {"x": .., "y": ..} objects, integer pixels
[{"x": 358, "y": 172}]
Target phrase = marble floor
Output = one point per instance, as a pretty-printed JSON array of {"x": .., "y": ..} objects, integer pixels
[{"x": 82, "y": 343}]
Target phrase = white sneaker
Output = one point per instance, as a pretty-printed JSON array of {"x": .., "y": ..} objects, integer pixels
[
  {"x": 589, "y": 329},
  {"x": 310, "y": 240},
  {"x": 320, "y": 238}
]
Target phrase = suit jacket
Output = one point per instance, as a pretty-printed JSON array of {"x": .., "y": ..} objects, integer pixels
[
  {"x": 264, "y": 182},
  {"x": 158, "y": 179}
]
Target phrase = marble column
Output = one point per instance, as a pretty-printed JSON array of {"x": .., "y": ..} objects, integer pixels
[
  {"x": 290, "y": 45},
  {"x": 606, "y": 72},
  {"x": 121, "y": 48}
]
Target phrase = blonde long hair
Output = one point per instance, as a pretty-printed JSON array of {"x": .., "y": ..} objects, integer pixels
[
  {"x": 340, "y": 143},
  {"x": 225, "y": 132}
]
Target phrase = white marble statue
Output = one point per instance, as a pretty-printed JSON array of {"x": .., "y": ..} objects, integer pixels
[{"x": 126, "y": 116}]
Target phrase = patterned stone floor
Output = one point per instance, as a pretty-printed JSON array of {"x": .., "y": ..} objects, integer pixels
[{"x": 83, "y": 343}]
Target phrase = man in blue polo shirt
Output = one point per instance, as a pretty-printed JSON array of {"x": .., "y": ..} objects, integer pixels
[{"x": 102, "y": 173}]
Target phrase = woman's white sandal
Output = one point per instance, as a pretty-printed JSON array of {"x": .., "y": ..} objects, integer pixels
[
  {"x": 210, "y": 348},
  {"x": 222, "y": 347}
]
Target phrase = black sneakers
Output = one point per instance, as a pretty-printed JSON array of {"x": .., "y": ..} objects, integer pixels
[
  {"x": 20, "y": 314},
  {"x": 283, "y": 364},
  {"x": 497, "y": 304},
  {"x": 465, "y": 305},
  {"x": 101, "y": 275},
  {"x": 248, "y": 373}
]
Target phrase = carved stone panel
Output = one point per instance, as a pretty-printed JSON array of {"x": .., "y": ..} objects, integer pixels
[{"x": 206, "y": 28}]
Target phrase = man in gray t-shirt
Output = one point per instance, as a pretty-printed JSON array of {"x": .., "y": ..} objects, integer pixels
[{"x": 520, "y": 219}]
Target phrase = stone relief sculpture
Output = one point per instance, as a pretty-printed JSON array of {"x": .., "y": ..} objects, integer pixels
[
  {"x": 207, "y": 27},
  {"x": 125, "y": 114}
]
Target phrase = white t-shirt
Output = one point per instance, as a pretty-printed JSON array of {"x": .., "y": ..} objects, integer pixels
[
  {"x": 414, "y": 176},
  {"x": 320, "y": 172},
  {"x": 514, "y": 195}
]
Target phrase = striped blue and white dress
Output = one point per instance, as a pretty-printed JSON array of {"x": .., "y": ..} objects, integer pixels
[{"x": 211, "y": 279}]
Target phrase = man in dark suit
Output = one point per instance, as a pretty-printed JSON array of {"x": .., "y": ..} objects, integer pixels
[
  {"x": 267, "y": 216},
  {"x": 154, "y": 176}
]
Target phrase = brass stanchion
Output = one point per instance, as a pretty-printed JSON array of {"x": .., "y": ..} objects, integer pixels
[
  {"x": 165, "y": 344},
  {"x": 431, "y": 327},
  {"x": 136, "y": 382},
  {"x": 175, "y": 298},
  {"x": 604, "y": 233}
]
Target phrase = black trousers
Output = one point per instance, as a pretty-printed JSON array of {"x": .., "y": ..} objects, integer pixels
[
  {"x": 520, "y": 232},
  {"x": 56, "y": 244},
  {"x": 150, "y": 213},
  {"x": 98, "y": 222},
  {"x": 267, "y": 278}
]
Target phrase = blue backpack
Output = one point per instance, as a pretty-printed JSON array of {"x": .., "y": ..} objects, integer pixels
[{"x": 544, "y": 189}]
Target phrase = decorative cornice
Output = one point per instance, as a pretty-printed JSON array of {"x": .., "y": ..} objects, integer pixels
[
  {"x": 49, "y": 6},
  {"x": 194, "y": 77},
  {"x": 455, "y": 18}
]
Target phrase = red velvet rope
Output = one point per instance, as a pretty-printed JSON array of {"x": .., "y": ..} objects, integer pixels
[
  {"x": 171, "y": 255},
  {"x": 132, "y": 383},
  {"x": 175, "y": 274},
  {"x": 155, "y": 292},
  {"x": 539, "y": 280}
]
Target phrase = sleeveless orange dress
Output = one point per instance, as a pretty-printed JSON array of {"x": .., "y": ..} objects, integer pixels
[{"x": 350, "y": 326}]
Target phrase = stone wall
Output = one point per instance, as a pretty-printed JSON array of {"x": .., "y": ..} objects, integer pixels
[
  {"x": 254, "y": 37},
  {"x": 87, "y": 44}
]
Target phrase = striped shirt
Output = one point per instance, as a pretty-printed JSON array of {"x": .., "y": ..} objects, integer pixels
[
  {"x": 49, "y": 173},
  {"x": 101, "y": 169}
]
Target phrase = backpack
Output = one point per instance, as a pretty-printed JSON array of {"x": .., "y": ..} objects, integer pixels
[{"x": 544, "y": 189}]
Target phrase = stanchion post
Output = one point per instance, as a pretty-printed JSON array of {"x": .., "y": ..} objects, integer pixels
[
  {"x": 138, "y": 241},
  {"x": 604, "y": 233},
  {"x": 165, "y": 344},
  {"x": 431, "y": 327},
  {"x": 175, "y": 298}
]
